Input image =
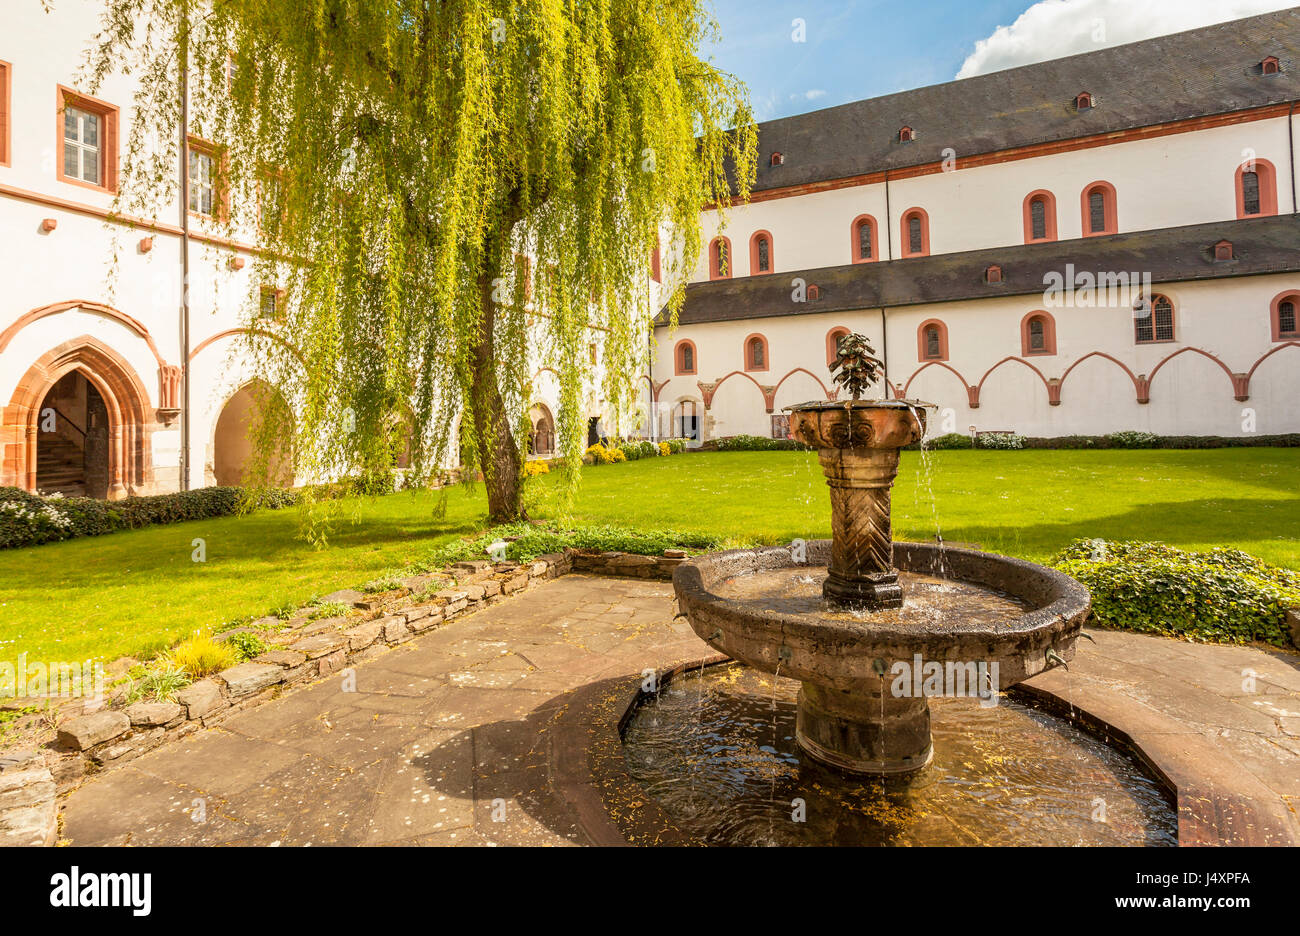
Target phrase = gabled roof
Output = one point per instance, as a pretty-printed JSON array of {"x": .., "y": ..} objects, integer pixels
[
  {"x": 1198, "y": 73},
  {"x": 1260, "y": 245}
]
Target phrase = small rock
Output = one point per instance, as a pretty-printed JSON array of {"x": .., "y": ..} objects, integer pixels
[
  {"x": 85, "y": 731},
  {"x": 200, "y": 698},
  {"x": 514, "y": 583},
  {"x": 674, "y": 554},
  {"x": 16, "y": 760},
  {"x": 472, "y": 565},
  {"x": 395, "y": 629},
  {"x": 250, "y": 677},
  {"x": 537, "y": 569},
  {"x": 332, "y": 662},
  {"x": 152, "y": 714}
]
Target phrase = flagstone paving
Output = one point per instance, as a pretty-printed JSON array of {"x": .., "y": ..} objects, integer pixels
[{"x": 466, "y": 735}]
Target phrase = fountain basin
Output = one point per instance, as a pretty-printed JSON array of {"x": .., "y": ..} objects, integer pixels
[{"x": 961, "y": 607}]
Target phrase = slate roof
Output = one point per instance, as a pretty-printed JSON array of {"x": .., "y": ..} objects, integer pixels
[
  {"x": 1197, "y": 73},
  {"x": 1260, "y": 245}
]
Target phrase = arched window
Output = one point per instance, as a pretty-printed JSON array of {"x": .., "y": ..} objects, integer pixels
[
  {"x": 916, "y": 233},
  {"x": 1269, "y": 66},
  {"x": 1040, "y": 216},
  {"x": 906, "y": 135},
  {"x": 1153, "y": 320},
  {"x": 1285, "y": 307},
  {"x": 1256, "y": 189},
  {"x": 686, "y": 422},
  {"x": 932, "y": 341},
  {"x": 756, "y": 353},
  {"x": 862, "y": 244},
  {"x": 833, "y": 343},
  {"x": 1037, "y": 334},
  {"x": 720, "y": 258},
  {"x": 1083, "y": 101},
  {"x": 685, "y": 357},
  {"x": 776, "y": 160},
  {"x": 1098, "y": 207},
  {"x": 761, "y": 258}
]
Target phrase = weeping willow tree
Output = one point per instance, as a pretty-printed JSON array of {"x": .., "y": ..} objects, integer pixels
[{"x": 449, "y": 194}]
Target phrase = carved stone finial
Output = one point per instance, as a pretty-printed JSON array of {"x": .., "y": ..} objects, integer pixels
[{"x": 856, "y": 366}]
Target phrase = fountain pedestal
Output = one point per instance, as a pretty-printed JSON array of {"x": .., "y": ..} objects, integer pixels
[
  {"x": 867, "y": 731},
  {"x": 862, "y": 572}
]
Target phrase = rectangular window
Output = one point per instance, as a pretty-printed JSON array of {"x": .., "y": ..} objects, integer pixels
[
  {"x": 270, "y": 307},
  {"x": 1096, "y": 212},
  {"x": 864, "y": 240},
  {"x": 1250, "y": 193},
  {"x": 764, "y": 260},
  {"x": 87, "y": 137},
  {"x": 1286, "y": 318},
  {"x": 203, "y": 183},
  {"x": 914, "y": 234},
  {"x": 1038, "y": 219}
]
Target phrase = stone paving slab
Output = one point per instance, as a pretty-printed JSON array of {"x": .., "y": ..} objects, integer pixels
[{"x": 489, "y": 731}]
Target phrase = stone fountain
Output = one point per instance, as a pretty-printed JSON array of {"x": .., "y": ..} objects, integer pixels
[{"x": 884, "y": 610}]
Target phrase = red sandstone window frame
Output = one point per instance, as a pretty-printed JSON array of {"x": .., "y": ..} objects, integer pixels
[
  {"x": 753, "y": 253},
  {"x": 750, "y": 363},
  {"x": 717, "y": 269},
  {"x": 1109, "y": 205},
  {"x": 1267, "y": 176},
  {"x": 832, "y": 342},
  {"x": 921, "y": 343},
  {"x": 1049, "y": 216},
  {"x": 1049, "y": 334},
  {"x": 906, "y": 134},
  {"x": 6, "y": 108},
  {"x": 1173, "y": 321},
  {"x": 1269, "y": 65},
  {"x": 109, "y": 115},
  {"x": 776, "y": 159},
  {"x": 1275, "y": 315},
  {"x": 1083, "y": 101},
  {"x": 855, "y": 239},
  {"x": 679, "y": 353},
  {"x": 220, "y": 178},
  {"x": 905, "y": 240}
]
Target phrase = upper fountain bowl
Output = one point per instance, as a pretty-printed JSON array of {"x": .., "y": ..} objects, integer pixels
[{"x": 848, "y": 424}]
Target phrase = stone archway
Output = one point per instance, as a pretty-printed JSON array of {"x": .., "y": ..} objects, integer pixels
[
  {"x": 232, "y": 448},
  {"x": 128, "y": 418},
  {"x": 541, "y": 434}
]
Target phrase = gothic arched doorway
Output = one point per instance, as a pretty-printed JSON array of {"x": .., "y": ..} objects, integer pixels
[
  {"x": 83, "y": 411},
  {"x": 541, "y": 437}
]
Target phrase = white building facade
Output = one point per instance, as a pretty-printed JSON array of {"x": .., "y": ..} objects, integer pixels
[{"x": 959, "y": 227}]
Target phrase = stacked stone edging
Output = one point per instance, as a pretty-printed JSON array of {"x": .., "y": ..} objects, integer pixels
[{"x": 112, "y": 736}]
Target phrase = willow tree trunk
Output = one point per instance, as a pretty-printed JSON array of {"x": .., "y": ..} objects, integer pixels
[{"x": 498, "y": 455}]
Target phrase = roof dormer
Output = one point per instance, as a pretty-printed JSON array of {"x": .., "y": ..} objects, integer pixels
[
  {"x": 1223, "y": 251},
  {"x": 777, "y": 159},
  {"x": 993, "y": 274},
  {"x": 1083, "y": 101},
  {"x": 1270, "y": 65},
  {"x": 906, "y": 135}
]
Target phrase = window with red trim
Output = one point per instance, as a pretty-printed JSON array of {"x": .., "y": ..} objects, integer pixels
[
  {"x": 1153, "y": 320},
  {"x": 833, "y": 343},
  {"x": 761, "y": 259},
  {"x": 1286, "y": 307},
  {"x": 932, "y": 341},
  {"x": 863, "y": 244},
  {"x": 1256, "y": 183},
  {"x": 685, "y": 357},
  {"x": 1040, "y": 217},
  {"x": 755, "y": 353},
  {"x": 719, "y": 258},
  {"x": 916, "y": 233},
  {"x": 1037, "y": 334},
  {"x": 87, "y": 137},
  {"x": 1098, "y": 208}
]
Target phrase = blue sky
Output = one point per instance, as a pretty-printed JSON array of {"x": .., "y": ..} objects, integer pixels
[{"x": 857, "y": 49}]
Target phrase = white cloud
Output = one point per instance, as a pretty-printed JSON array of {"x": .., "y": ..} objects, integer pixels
[
  {"x": 1055, "y": 28},
  {"x": 812, "y": 95}
]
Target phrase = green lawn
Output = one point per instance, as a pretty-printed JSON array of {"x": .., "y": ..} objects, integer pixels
[{"x": 106, "y": 596}]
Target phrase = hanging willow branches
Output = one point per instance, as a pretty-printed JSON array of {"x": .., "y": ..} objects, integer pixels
[{"x": 398, "y": 159}]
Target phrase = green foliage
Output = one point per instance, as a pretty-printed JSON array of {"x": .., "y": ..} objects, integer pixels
[
  {"x": 1224, "y": 595},
  {"x": 752, "y": 443},
  {"x": 159, "y": 684},
  {"x": 675, "y": 446},
  {"x": 416, "y": 153},
  {"x": 1004, "y": 441},
  {"x": 328, "y": 610},
  {"x": 246, "y": 644},
  {"x": 28, "y": 519},
  {"x": 951, "y": 440},
  {"x": 1133, "y": 440},
  {"x": 384, "y": 583}
]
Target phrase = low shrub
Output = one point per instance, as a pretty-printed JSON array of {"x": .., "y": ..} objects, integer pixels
[
  {"x": 1005, "y": 441},
  {"x": 952, "y": 440},
  {"x": 665, "y": 449},
  {"x": 752, "y": 443},
  {"x": 328, "y": 610},
  {"x": 534, "y": 467},
  {"x": 158, "y": 685},
  {"x": 29, "y": 519},
  {"x": 1224, "y": 595},
  {"x": 246, "y": 644},
  {"x": 1133, "y": 440},
  {"x": 675, "y": 446}
]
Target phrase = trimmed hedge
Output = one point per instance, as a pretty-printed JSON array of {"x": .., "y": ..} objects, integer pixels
[
  {"x": 28, "y": 519},
  {"x": 1220, "y": 596},
  {"x": 752, "y": 443}
]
